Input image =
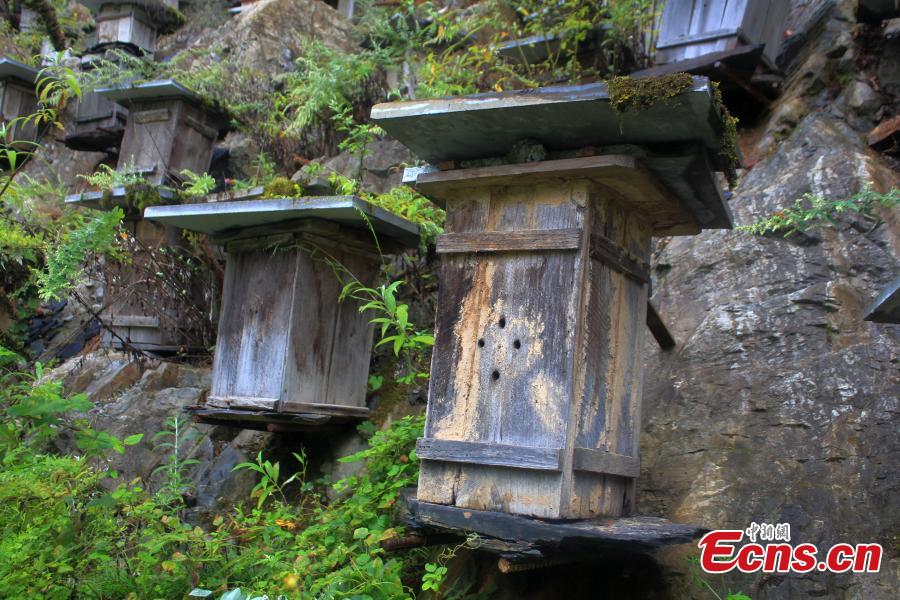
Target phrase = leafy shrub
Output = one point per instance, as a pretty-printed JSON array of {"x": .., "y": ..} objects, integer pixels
[{"x": 812, "y": 211}]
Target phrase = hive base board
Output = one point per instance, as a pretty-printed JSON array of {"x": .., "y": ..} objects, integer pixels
[
  {"x": 518, "y": 538},
  {"x": 261, "y": 420}
]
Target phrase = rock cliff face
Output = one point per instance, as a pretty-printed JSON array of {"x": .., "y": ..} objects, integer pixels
[{"x": 780, "y": 403}]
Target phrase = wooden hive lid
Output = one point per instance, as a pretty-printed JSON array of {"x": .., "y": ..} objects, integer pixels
[{"x": 221, "y": 219}]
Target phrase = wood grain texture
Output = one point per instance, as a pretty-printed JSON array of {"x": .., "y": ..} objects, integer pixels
[
  {"x": 509, "y": 241},
  {"x": 165, "y": 137},
  {"x": 610, "y": 253},
  {"x": 283, "y": 333},
  {"x": 623, "y": 176},
  {"x": 538, "y": 349},
  {"x": 545, "y": 538},
  {"x": 600, "y": 461},
  {"x": 518, "y": 457}
]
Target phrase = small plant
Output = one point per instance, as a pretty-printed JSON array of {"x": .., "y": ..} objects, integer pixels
[
  {"x": 812, "y": 211},
  {"x": 698, "y": 578},
  {"x": 172, "y": 440},
  {"x": 395, "y": 328},
  {"x": 196, "y": 185},
  {"x": 65, "y": 258},
  {"x": 106, "y": 178},
  {"x": 269, "y": 474}
]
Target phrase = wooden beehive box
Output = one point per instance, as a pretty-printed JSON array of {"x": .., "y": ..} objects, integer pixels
[
  {"x": 169, "y": 129},
  {"x": 535, "y": 394},
  {"x": 141, "y": 311},
  {"x": 286, "y": 344},
  {"x": 18, "y": 100},
  {"x": 99, "y": 122},
  {"x": 693, "y": 28},
  {"x": 133, "y": 24}
]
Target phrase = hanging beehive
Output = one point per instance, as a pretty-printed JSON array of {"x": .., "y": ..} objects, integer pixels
[
  {"x": 132, "y": 24},
  {"x": 156, "y": 302},
  {"x": 286, "y": 344},
  {"x": 169, "y": 129},
  {"x": 535, "y": 394},
  {"x": 99, "y": 122},
  {"x": 694, "y": 28}
]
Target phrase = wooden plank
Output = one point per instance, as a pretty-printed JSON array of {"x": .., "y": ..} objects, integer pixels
[
  {"x": 517, "y": 457},
  {"x": 152, "y": 116},
  {"x": 134, "y": 321},
  {"x": 608, "y": 252},
  {"x": 636, "y": 534},
  {"x": 254, "y": 324},
  {"x": 206, "y": 131},
  {"x": 509, "y": 241},
  {"x": 502, "y": 366},
  {"x": 243, "y": 402},
  {"x": 606, "y": 463},
  {"x": 658, "y": 328},
  {"x": 291, "y": 407}
]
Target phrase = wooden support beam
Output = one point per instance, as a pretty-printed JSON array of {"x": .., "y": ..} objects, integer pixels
[
  {"x": 509, "y": 241},
  {"x": 608, "y": 463},
  {"x": 658, "y": 328},
  {"x": 518, "y": 457},
  {"x": 610, "y": 253}
]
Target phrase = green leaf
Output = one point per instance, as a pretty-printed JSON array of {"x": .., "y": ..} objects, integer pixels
[{"x": 133, "y": 440}]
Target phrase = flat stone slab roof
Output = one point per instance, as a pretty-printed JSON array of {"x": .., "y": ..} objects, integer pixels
[
  {"x": 13, "y": 69},
  {"x": 223, "y": 218},
  {"x": 560, "y": 118},
  {"x": 116, "y": 197},
  {"x": 678, "y": 140},
  {"x": 162, "y": 89}
]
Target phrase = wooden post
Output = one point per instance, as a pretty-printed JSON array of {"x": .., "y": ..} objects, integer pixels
[
  {"x": 169, "y": 129},
  {"x": 287, "y": 344},
  {"x": 534, "y": 404}
]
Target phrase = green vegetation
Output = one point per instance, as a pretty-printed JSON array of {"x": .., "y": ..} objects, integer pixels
[
  {"x": 812, "y": 211},
  {"x": 627, "y": 94},
  {"x": 64, "y": 534}
]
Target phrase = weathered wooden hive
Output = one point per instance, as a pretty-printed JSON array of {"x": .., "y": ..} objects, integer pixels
[
  {"x": 17, "y": 101},
  {"x": 132, "y": 24},
  {"x": 694, "y": 28},
  {"x": 99, "y": 122},
  {"x": 142, "y": 311},
  {"x": 535, "y": 394},
  {"x": 169, "y": 129},
  {"x": 288, "y": 351}
]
